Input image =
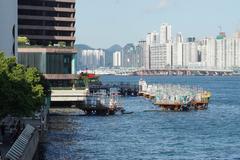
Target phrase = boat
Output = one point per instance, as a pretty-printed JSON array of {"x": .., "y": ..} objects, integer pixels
[{"x": 103, "y": 105}]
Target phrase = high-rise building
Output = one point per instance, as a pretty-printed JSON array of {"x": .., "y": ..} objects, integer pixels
[
  {"x": 207, "y": 50},
  {"x": 141, "y": 52},
  {"x": 151, "y": 39},
  {"x": 237, "y": 35},
  {"x": 177, "y": 55},
  {"x": 190, "y": 52},
  {"x": 220, "y": 52},
  {"x": 230, "y": 53},
  {"x": 50, "y": 27},
  {"x": 208, "y": 53},
  {"x": 161, "y": 56},
  {"x": 165, "y": 33},
  {"x": 8, "y": 27},
  {"x": 92, "y": 59},
  {"x": 237, "y": 54},
  {"x": 117, "y": 59},
  {"x": 129, "y": 56}
]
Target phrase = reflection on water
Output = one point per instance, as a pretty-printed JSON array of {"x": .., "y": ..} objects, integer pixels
[{"x": 150, "y": 134}]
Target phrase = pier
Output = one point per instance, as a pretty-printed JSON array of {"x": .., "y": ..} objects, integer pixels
[
  {"x": 183, "y": 72},
  {"x": 124, "y": 89}
]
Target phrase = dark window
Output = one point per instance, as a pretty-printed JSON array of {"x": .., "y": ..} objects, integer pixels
[
  {"x": 31, "y": 60},
  {"x": 30, "y": 12},
  {"x": 59, "y": 64},
  {"x": 30, "y": 2},
  {"x": 30, "y": 22}
]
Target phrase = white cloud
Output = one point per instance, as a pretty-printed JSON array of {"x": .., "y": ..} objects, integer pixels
[
  {"x": 158, "y": 5},
  {"x": 162, "y": 4}
]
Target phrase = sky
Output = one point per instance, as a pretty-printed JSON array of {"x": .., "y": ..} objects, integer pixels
[{"x": 103, "y": 23}]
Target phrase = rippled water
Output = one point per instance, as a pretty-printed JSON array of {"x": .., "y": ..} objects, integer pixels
[{"x": 210, "y": 134}]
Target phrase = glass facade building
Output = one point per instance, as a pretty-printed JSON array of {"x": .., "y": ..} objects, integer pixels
[{"x": 47, "y": 62}]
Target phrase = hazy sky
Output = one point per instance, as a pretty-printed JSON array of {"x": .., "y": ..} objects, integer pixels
[{"x": 102, "y": 23}]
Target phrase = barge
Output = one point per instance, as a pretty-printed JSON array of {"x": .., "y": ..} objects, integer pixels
[{"x": 175, "y": 97}]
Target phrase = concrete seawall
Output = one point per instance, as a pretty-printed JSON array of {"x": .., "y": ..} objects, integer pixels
[{"x": 26, "y": 145}]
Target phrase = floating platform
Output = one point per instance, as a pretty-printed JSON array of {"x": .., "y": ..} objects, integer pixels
[{"x": 175, "y": 97}]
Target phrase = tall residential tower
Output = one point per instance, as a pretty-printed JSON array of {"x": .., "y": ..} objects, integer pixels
[{"x": 165, "y": 33}]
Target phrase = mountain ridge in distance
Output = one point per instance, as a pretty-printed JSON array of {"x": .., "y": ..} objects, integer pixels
[{"x": 111, "y": 49}]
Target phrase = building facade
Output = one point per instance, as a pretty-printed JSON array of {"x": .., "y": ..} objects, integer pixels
[
  {"x": 50, "y": 27},
  {"x": 165, "y": 33},
  {"x": 220, "y": 53},
  {"x": 117, "y": 59},
  {"x": 141, "y": 50},
  {"x": 129, "y": 56},
  {"x": 190, "y": 52},
  {"x": 177, "y": 52},
  {"x": 161, "y": 56},
  {"x": 160, "y": 51},
  {"x": 152, "y": 39},
  {"x": 92, "y": 59},
  {"x": 8, "y": 27}
]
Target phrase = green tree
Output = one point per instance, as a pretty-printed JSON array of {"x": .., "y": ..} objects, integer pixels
[
  {"x": 62, "y": 44},
  {"x": 23, "y": 40},
  {"x": 22, "y": 90}
]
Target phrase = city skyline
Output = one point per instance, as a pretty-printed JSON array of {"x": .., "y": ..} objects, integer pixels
[{"x": 113, "y": 22}]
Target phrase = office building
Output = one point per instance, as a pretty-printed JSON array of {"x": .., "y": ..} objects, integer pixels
[{"x": 50, "y": 27}]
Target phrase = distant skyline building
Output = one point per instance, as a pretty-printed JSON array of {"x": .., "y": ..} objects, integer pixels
[
  {"x": 158, "y": 51},
  {"x": 209, "y": 53},
  {"x": 177, "y": 52},
  {"x": 220, "y": 52},
  {"x": 129, "y": 58},
  {"x": 117, "y": 59},
  {"x": 161, "y": 56},
  {"x": 230, "y": 56},
  {"x": 190, "y": 53},
  {"x": 165, "y": 33},
  {"x": 92, "y": 59},
  {"x": 8, "y": 27},
  {"x": 141, "y": 50},
  {"x": 152, "y": 38}
]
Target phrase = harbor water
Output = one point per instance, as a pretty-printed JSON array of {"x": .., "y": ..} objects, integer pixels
[{"x": 150, "y": 134}]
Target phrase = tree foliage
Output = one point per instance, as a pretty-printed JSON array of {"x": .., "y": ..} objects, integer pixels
[
  {"x": 23, "y": 40},
  {"x": 22, "y": 90}
]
